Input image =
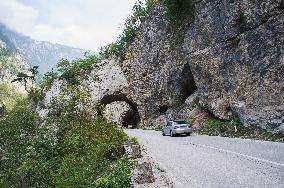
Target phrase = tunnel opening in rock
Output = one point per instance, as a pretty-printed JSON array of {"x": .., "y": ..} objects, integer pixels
[
  {"x": 163, "y": 109},
  {"x": 128, "y": 119},
  {"x": 187, "y": 83},
  {"x": 132, "y": 117}
]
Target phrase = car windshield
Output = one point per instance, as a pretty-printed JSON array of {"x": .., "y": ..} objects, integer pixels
[{"x": 180, "y": 122}]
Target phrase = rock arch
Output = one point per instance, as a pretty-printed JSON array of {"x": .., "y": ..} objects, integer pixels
[{"x": 132, "y": 117}]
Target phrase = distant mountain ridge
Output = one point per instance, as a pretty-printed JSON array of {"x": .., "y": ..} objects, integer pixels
[{"x": 44, "y": 54}]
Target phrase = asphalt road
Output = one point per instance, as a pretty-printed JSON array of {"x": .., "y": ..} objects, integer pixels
[{"x": 203, "y": 161}]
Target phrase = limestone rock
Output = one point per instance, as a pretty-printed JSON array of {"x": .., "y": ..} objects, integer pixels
[
  {"x": 117, "y": 112},
  {"x": 232, "y": 54},
  {"x": 144, "y": 173},
  {"x": 237, "y": 60},
  {"x": 230, "y": 61}
]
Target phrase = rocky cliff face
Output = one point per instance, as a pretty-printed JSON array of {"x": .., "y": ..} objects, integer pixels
[
  {"x": 235, "y": 49},
  {"x": 228, "y": 58},
  {"x": 232, "y": 54}
]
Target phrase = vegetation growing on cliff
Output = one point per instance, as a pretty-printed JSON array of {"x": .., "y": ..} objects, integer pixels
[
  {"x": 24, "y": 77},
  {"x": 234, "y": 128},
  {"x": 75, "y": 146},
  {"x": 9, "y": 96},
  {"x": 139, "y": 13},
  {"x": 178, "y": 10},
  {"x": 69, "y": 70}
]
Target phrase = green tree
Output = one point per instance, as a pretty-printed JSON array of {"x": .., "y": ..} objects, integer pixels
[{"x": 23, "y": 77}]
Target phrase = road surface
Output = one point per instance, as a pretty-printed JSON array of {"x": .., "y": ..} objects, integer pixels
[{"x": 203, "y": 161}]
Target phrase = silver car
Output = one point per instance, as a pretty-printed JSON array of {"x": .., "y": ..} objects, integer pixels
[{"x": 177, "y": 127}]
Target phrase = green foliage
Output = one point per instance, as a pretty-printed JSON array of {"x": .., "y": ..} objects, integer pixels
[
  {"x": 9, "y": 96},
  {"x": 17, "y": 129},
  {"x": 70, "y": 70},
  {"x": 180, "y": 38},
  {"x": 35, "y": 95},
  {"x": 48, "y": 79},
  {"x": 178, "y": 10},
  {"x": 214, "y": 127},
  {"x": 234, "y": 128},
  {"x": 119, "y": 177},
  {"x": 134, "y": 141},
  {"x": 73, "y": 148},
  {"x": 23, "y": 77},
  {"x": 139, "y": 13}
]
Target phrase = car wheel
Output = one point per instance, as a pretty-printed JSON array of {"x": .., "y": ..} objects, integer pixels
[
  {"x": 172, "y": 134},
  {"x": 188, "y": 134},
  {"x": 163, "y": 133}
]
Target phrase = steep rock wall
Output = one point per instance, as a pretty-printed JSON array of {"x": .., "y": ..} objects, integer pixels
[
  {"x": 157, "y": 69},
  {"x": 234, "y": 50},
  {"x": 230, "y": 55}
]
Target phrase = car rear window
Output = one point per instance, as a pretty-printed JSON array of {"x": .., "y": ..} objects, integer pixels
[{"x": 181, "y": 122}]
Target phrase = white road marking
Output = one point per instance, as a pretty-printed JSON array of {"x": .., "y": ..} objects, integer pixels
[{"x": 240, "y": 154}]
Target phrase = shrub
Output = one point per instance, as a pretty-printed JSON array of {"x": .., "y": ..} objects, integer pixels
[
  {"x": 36, "y": 95},
  {"x": 17, "y": 129},
  {"x": 9, "y": 96},
  {"x": 214, "y": 127},
  {"x": 120, "y": 176},
  {"x": 178, "y": 10},
  {"x": 48, "y": 79},
  {"x": 70, "y": 70},
  {"x": 234, "y": 128},
  {"x": 72, "y": 148}
]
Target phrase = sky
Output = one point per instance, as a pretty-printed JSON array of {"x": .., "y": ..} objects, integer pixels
[{"x": 86, "y": 24}]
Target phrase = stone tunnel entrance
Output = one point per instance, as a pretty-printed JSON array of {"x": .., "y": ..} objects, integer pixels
[
  {"x": 131, "y": 117},
  {"x": 187, "y": 83}
]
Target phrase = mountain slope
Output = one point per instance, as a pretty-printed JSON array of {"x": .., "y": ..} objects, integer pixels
[
  {"x": 44, "y": 54},
  {"x": 11, "y": 63}
]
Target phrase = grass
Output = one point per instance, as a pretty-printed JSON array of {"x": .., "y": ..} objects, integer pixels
[{"x": 234, "y": 128}]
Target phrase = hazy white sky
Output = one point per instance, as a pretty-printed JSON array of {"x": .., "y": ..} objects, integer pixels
[{"x": 87, "y": 24}]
